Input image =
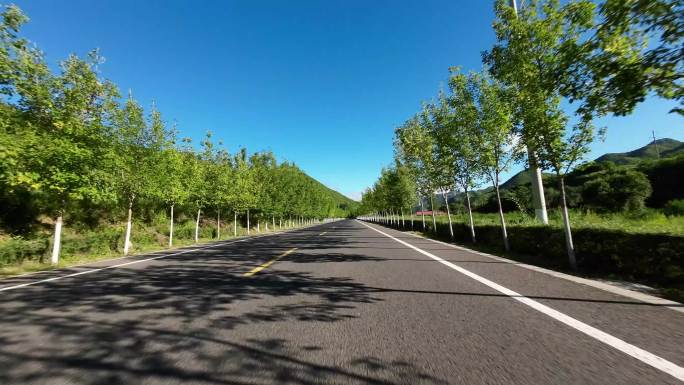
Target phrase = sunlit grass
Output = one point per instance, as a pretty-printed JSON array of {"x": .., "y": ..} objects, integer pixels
[{"x": 647, "y": 221}]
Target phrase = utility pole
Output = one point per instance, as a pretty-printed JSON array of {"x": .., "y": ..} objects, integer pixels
[
  {"x": 655, "y": 143},
  {"x": 538, "y": 199}
]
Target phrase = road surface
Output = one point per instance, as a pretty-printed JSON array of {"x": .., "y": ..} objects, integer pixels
[{"x": 339, "y": 303}]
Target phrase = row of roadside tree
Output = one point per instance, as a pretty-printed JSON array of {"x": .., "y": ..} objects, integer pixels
[
  {"x": 69, "y": 143},
  {"x": 549, "y": 58}
]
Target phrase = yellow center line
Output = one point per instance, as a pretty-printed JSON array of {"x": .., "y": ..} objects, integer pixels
[{"x": 267, "y": 264}]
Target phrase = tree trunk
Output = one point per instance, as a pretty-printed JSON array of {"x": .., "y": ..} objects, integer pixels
[
  {"x": 197, "y": 226},
  {"x": 258, "y": 228},
  {"x": 218, "y": 224},
  {"x": 273, "y": 221},
  {"x": 422, "y": 212},
  {"x": 470, "y": 216},
  {"x": 127, "y": 240},
  {"x": 235, "y": 223},
  {"x": 57, "y": 239},
  {"x": 171, "y": 228},
  {"x": 280, "y": 223},
  {"x": 566, "y": 225},
  {"x": 403, "y": 223},
  {"x": 504, "y": 234},
  {"x": 451, "y": 226},
  {"x": 538, "y": 200},
  {"x": 247, "y": 221},
  {"x": 432, "y": 207}
]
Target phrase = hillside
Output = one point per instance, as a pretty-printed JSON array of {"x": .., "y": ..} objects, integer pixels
[
  {"x": 666, "y": 147},
  {"x": 521, "y": 178}
]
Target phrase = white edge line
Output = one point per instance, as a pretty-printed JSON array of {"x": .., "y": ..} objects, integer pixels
[
  {"x": 672, "y": 305},
  {"x": 220, "y": 243},
  {"x": 627, "y": 348}
]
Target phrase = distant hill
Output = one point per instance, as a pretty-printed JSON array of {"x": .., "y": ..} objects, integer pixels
[
  {"x": 521, "y": 178},
  {"x": 665, "y": 175},
  {"x": 666, "y": 147}
]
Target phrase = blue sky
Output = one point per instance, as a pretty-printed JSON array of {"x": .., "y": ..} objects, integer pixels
[{"x": 320, "y": 83}]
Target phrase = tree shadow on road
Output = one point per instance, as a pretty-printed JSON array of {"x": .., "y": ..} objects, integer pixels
[{"x": 176, "y": 321}]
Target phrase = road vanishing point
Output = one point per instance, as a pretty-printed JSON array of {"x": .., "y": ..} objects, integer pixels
[{"x": 345, "y": 302}]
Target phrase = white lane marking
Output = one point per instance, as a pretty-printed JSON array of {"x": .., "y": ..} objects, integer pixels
[
  {"x": 672, "y": 305},
  {"x": 134, "y": 262},
  {"x": 627, "y": 348}
]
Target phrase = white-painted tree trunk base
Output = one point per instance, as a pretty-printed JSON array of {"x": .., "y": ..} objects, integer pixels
[
  {"x": 538, "y": 199},
  {"x": 451, "y": 225},
  {"x": 171, "y": 229},
  {"x": 434, "y": 220},
  {"x": 57, "y": 241},
  {"x": 127, "y": 240},
  {"x": 470, "y": 217},
  {"x": 197, "y": 226},
  {"x": 504, "y": 233}
]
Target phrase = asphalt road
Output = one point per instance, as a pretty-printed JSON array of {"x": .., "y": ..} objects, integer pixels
[{"x": 338, "y": 303}]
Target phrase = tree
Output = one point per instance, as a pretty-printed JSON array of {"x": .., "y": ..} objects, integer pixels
[
  {"x": 538, "y": 54},
  {"x": 636, "y": 48},
  {"x": 535, "y": 52},
  {"x": 67, "y": 150},
  {"x": 560, "y": 151},
  {"x": 203, "y": 174},
  {"x": 23, "y": 72},
  {"x": 405, "y": 189},
  {"x": 494, "y": 139},
  {"x": 244, "y": 183},
  {"x": 223, "y": 186},
  {"x": 444, "y": 158},
  {"x": 261, "y": 166},
  {"x": 414, "y": 146},
  {"x": 171, "y": 171},
  {"x": 133, "y": 159},
  {"x": 458, "y": 137}
]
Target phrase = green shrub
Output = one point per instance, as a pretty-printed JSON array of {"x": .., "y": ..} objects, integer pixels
[
  {"x": 621, "y": 189},
  {"x": 667, "y": 178},
  {"x": 674, "y": 208},
  {"x": 17, "y": 250},
  {"x": 100, "y": 241}
]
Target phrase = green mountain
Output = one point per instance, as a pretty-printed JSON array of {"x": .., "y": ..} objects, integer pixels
[
  {"x": 521, "y": 178},
  {"x": 665, "y": 147}
]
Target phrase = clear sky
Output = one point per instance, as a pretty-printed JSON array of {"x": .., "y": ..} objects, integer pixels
[{"x": 321, "y": 83}]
